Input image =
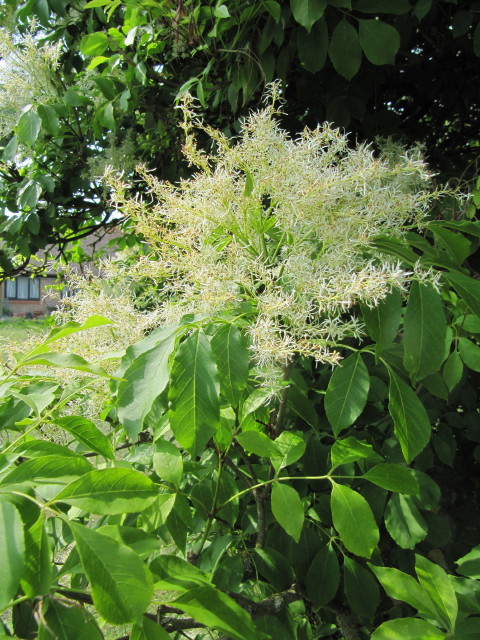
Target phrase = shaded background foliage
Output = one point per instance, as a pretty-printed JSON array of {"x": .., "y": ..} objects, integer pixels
[{"x": 398, "y": 68}]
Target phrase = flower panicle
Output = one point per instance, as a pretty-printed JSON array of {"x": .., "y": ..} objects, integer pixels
[{"x": 286, "y": 224}]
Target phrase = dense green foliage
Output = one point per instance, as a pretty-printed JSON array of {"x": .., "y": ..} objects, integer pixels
[
  {"x": 340, "y": 503},
  {"x": 98, "y": 81}
]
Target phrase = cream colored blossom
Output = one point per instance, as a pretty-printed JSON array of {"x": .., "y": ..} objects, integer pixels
[
  {"x": 26, "y": 75},
  {"x": 284, "y": 224}
]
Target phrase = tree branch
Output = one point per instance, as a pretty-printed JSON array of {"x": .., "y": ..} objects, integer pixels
[
  {"x": 272, "y": 605},
  {"x": 346, "y": 622}
]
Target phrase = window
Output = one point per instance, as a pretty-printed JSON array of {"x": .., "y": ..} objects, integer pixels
[{"x": 22, "y": 288}]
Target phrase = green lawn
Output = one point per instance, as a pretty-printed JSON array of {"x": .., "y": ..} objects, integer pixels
[{"x": 20, "y": 329}]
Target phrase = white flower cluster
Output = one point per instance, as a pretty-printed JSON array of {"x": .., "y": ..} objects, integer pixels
[
  {"x": 284, "y": 224},
  {"x": 26, "y": 75}
]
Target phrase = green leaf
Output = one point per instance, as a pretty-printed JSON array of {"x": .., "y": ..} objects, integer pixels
[
  {"x": 48, "y": 469},
  {"x": 168, "y": 462},
  {"x": 469, "y": 323},
  {"x": 73, "y": 327},
  {"x": 85, "y": 431},
  {"x": 36, "y": 577},
  {"x": 401, "y": 586},
  {"x": 42, "y": 11},
  {"x": 47, "y": 182},
  {"x": 254, "y": 401},
  {"x": 121, "y": 584},
  {"x": 469, "y": 353},
  {"x": 49, "y": 118},
  {"x": 68, "y": 622},
  {"x": 299, "y": 403},
  {"x": 383, "y": 320},
  {"x": 141, "y": 73},
  {"x": 106, "y": 117},
  {"x": 347, "y": 393},
  {"x": 323, "y": 577},
  {"x": 194, "y": 393},
  {"x": 350, "y": 450},
  {"x": 393, "y": 477},
  {"x": 344, "y": 50},
  {"x": 33, "y": 221},
  {"x": 361, "y": 589},
  {"x": 110, "y": 491},
  {"x": 10, "y": 151},
  {"x": 440, "y": 589},
  {"x": 407, "y": 629},
  {"x": 312, "y": 47},
  {"x": 410, "y": 419},
  {"x": 67, "y": 361},
  {"x": 143, "y": 381},
  {"x": 12, "y": 557},
  {"x": 216, "y": 610},
  {"x": 72, "y": 98},
  {"x": 97, "y": 3},
  {"x": 232, "y": 356},
  {"x": 221, "y": 11},
  {"x": 287, "y": 509},
  {"x": 273, "y": 8},
  {"x": 425, "y": 331},
  {"x": 429, "y": 495},
  {"x": 130, "y": 39},
  {"x": 28, "y": 127},
  {"x": 38, "y": 448},
  {"x": 96, "y": 61},
  {"x": 157, "y": 512},
  {"x": 307, "y": 12},
  {"x": 274, "y": 567},
  {"x": 452, "y": 370},
  {"x": 467, "y": 629},
  {"x": 469, "y": 565},
  {"x": 468, "y": 596},
  {"x": 404, "y": 521},
  {"x": 171, "y": 573},
  {"x": 28, "y": 197},
  {"x": 380, "y": 41},
  {"x": 291, "y": 446},
  {"x": 457, "y": 246},
  {"x": 258, "y": 443},
  {"x": 138, "y": 540},
  {"x": 467, "y": 288},
  {"x": 94, "y": 44},
  {"x": 149, "y": 630},
  {"x": 354, "y": 521},
  {"x": 395, "y": 247}
]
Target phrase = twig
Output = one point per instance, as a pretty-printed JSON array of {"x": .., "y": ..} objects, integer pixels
[
  {"x": 259, "y": 498},
  {"x": 272, "y": 605},
  {"x": 346, "y": 622},
  {"x": 282, "y": 409}
]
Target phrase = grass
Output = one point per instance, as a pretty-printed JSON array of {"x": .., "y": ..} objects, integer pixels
[{"x": 21, "y": 329}]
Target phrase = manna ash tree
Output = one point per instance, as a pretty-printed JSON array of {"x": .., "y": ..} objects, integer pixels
[{"x": 282, "y": 456}]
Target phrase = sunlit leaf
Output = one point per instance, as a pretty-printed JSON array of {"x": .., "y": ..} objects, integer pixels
[
  {"x": 287, "y": 509},
  {"x": 194, "y": 393},
  {"x": 354, "y": 521},
  {"x": 121, "y": 584},
  {"x": 110, "y": 491},
  {"x": 347, "y": 393},
  {"x": 410, "y": 419},
  {"x": 12, "y": 557}
]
